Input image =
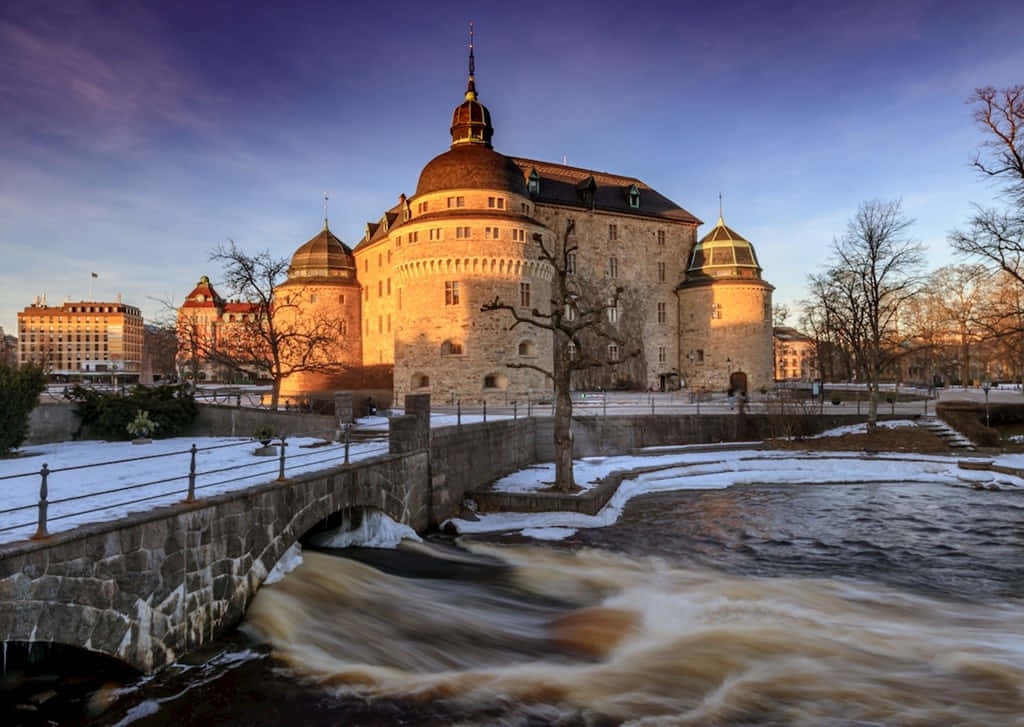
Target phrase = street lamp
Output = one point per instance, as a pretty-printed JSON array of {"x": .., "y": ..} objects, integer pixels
[{"x": 985, "y": 387}]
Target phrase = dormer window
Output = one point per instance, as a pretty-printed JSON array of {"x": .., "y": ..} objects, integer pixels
[
  {"x": 633, "y": 196},
  {"x": 533, "y": 183},
  {"x": 587, "y": 190}
]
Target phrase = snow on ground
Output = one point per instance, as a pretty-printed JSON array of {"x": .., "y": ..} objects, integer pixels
[
  {"x": 862, "y": 428},
  {"x": 718, "y": 470},
  {"x": 380, "y": 423},
  {"x": 222, "y": 464}
]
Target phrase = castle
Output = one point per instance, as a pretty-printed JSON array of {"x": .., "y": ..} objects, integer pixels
[{"x": 410, "y": 291}]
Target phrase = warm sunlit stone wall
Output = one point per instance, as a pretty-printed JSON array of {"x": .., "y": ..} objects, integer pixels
[
  {"x": 741, "y": 340},
  {"x": 407, "y": 321},
  {"x": 637, "y": 252},
  {"x": 321, "y": 302}
]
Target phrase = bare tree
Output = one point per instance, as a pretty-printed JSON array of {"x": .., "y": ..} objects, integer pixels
[
  {"x": 780, "y": 313},
  {"x": 583, "y": 338},
  {"x": 997, "y": 236},
  {"x": 876, "y": 270},
  {"x": 277, "y": 338}
]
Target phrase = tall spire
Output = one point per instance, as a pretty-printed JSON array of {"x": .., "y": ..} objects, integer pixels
[
  {"x": 325, "y": 210},
  {"x": 721, "y": 220},
  {"x": 471, "y": 88}
]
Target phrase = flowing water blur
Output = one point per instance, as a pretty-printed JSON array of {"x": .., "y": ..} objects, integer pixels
[{"x": 889, "y": 604}]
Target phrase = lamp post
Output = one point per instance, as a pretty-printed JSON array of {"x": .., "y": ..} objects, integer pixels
[{"x": 985, "y": 387}]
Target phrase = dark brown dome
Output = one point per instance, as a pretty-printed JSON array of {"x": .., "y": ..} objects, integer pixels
[
  {"x": 471, "y": 166},
  {"x": 471, "y": 123},
  {"x": 325, "y": 256}
]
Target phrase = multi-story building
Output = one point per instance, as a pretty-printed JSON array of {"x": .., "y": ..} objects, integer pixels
[
  {"x": 796, "y": 357},
  {"x": 205, "y": 322},
  {"x": 84, "y": 337}
]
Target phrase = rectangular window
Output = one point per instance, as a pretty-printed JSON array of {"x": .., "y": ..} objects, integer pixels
[
  {"x": 422, "y": 207},
  {"x": 519, "y": 235},
  {"x": 398, "y": 241},
  {"x": 613, "y": 352},
  {"x": 380, "y": 288},
  {"x": 456, "y": 202},
  {"x": 661, "y": 237},
  {"x": 435, "y": 233},
  {"x": 570, "y": 312},
  {"x": 570, "y": 263},
  {"x": 524, "y": 295},
  {"x": 389, "y": 286},
  {"x": 613, "y": 232},
  {"x": 414, "y": 237},
  {"x": 613, "y": 267},
  {"x": 451, "y": 292},
  {"x": 661, "y": 354},
  {"x": 491, "y": 233},
  {"x": 716, "y": 311},
  {"x": 389, "y": 323},
  {"x": 661, "y": 312},
  {"x": 380, "y": 324},
  {"x": 462, "y": 233},
  {"x": 661, "y": 272},
  {"x": 699, "y": 355},
  {"x": 570, "y": 349},
  {"x": 312, "y": 298},
  {"x": 380, "y": 260}
]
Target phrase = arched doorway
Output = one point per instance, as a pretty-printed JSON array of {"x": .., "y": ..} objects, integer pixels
[{"x": 738, "y": 382}]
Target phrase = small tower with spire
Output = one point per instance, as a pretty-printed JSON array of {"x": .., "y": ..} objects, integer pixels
[{"x": 471, "y": 121}]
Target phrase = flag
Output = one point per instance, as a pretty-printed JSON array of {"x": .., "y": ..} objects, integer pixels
[{"x": 95, "y": 275}]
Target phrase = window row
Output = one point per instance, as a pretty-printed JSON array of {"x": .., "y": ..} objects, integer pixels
[
  {"x": 493, "y": 381},
  {"x": 457, "y": 348},
  {"x": 452, "y": 294}
]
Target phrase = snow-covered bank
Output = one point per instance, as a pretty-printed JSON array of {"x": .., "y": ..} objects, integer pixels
[
  {"x": 375, "y": 530},
  {"x": 862, "y": 428},
  {"x": 231, "y": 466},
  {"x": 718, "y": 470}
]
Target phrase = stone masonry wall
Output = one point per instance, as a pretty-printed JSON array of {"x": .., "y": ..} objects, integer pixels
[{"x": 148, "y": 588}]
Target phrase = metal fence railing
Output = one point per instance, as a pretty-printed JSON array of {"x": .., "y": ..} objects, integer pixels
[{"x": 183, "y": 479}]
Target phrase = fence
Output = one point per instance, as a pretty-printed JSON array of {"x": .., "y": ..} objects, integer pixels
[{"x": 178, "y": 478}]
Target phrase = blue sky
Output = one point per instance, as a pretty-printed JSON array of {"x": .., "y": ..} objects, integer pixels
[{"x": 136, "y": 137}]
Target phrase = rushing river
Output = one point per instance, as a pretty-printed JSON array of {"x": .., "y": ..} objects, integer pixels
[{"x": 888, "y": 604}]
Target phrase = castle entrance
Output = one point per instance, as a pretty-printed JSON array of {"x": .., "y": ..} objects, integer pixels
[{"x": 738, "y": 382}]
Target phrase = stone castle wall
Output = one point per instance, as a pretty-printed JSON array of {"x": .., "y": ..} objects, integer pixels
[{"x": 739, "y": 341}]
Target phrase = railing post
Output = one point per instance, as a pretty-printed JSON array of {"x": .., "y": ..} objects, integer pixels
[
  {"x": 43, "y": 503},
  {"x": 280, "y": 471},
  {"x": 652, "y": 404},
  {"x": 529, "y": 406},
  {"x": 485, "y": 410},
  {"x": 515, "y": 410},
  {"x": 191, "y": 497},
  {"x": 458, "y": 412},
  {"x": 604, "y": 404},
  {"x": 348, "y": 428}
]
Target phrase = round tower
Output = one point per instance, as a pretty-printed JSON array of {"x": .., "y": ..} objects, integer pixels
[
  {"x": 465, "y": 238},
  {"x": 320, "y": 298},
  {"x": 725, "y": 315}
]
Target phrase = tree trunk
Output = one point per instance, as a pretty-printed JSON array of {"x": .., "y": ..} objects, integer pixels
[
  {"x": 275, "y": 393},
  {"x": 564, "y": 481}
]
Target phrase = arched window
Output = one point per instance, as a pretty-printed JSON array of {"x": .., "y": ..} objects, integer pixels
[
  {"x": 527, "y": 348},
  {"x": 419, "y": 381},
  {"x": 533, "y": 185},
  {"x": 451, "y": 348}
]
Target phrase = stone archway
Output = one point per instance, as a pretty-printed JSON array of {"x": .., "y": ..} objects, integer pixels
[{"x": 738, "y": 382}]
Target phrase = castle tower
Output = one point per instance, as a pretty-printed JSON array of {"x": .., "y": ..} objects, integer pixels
[
  {"x": 433, "y": 260},
  {"x": 725, "y": 315},
  {"x": 321, "y": 293}
]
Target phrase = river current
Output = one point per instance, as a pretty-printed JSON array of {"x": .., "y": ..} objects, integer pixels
[{"x": 837, "y": 605}]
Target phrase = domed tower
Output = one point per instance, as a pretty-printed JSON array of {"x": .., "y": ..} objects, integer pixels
[
  {"x": 464, "y": 238},
  {"x": 725, "y": 315},
  {"x": 321, "y": 297}
]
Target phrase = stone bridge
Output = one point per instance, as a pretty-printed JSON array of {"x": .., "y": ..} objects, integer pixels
[{"x": 147, "y": 588}]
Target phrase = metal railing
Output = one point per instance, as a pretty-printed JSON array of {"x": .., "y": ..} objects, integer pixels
[{"x": 328, "y": 452}]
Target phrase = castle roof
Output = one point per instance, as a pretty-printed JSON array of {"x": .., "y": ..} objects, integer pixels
[
  {"x": 723, "y": 252},
  {"x": 203, "y": 296},
  {"x": 561, "y": 184},
  {"x": 471, "y": 166},
  {"x": 323, "y": 256}
]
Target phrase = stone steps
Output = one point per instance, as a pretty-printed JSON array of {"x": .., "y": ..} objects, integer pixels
[{"x": 943, "y": 431}]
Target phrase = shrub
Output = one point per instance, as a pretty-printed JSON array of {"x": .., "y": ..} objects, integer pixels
[
  {"x": 170, "y": 408},
  {"x": 142, "y": 426},
  {"x": 264, "y": 433},
  {"x": 19, "y": 391}
]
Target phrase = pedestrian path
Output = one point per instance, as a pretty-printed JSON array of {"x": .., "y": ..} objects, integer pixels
[{"x": 943, "y": 431}]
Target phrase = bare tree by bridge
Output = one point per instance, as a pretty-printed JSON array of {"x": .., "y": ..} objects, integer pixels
[{"x": 584, "y": 337}]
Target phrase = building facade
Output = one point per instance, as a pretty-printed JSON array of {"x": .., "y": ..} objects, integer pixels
[
  {"x": 796, "y": 357},
  {"x": 206, "y": 324},
  {"x": 471, "y": 234},
  {"x": 8, "y": 349},
  {"x": 84, "y": 337}
]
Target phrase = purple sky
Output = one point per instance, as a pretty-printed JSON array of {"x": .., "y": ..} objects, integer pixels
[{"x": 134, "y": 138}]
